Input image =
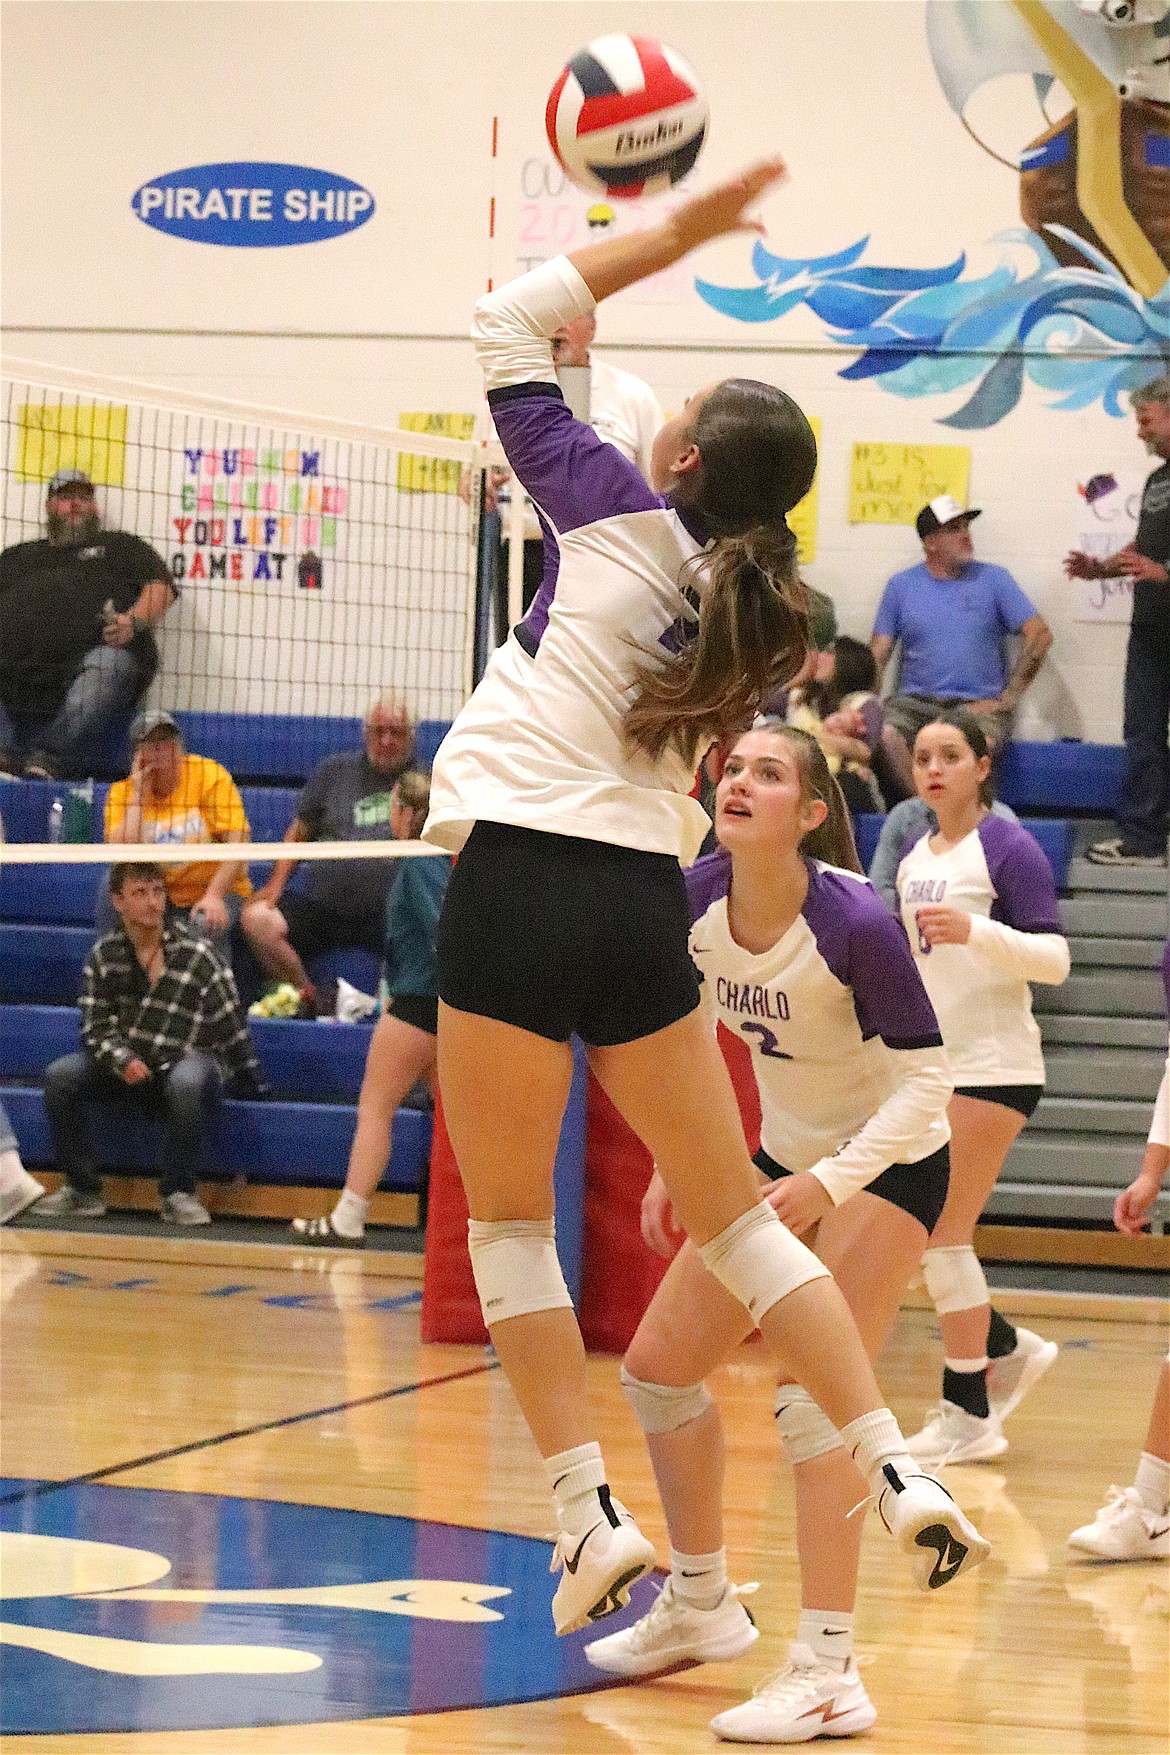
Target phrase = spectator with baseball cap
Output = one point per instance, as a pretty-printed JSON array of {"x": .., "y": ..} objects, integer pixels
[
  {"x": 77, "y": 611},
  {"x": 951, "y": 615},
  {"x": 171, "y": 796}
]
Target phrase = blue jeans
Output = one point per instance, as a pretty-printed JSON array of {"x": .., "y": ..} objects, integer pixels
[
  {"x": 104, "y": 689},
  {"x": 182, "y": 1100},
  {"x": 1143, "y": 815}
]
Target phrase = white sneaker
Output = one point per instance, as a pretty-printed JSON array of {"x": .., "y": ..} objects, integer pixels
[
  {"x": 673, "y": 1633},
  {"x": 952, "y": 1435},
  {"x": 598, "y": 1567},
  {"x": 20, "y": 1191},
  {"x": 182, "y": 1208},
  {"x": 1124, "y": 1529},
  {"x": 1009, "y": 1379},
  {"x": 928, "y": 1526},
  {"x": 807, "y": 1698}
]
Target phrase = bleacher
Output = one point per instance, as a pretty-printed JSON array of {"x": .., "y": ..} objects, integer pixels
[
  {"x": 1104, "y": 1030},
  {"x": 259, "y": 1153}
]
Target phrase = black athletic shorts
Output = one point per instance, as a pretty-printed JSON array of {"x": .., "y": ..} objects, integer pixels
[
  {"x": 918, "y": 1189},
  {"x": 1022, "y": 1098},
  {"x": 419, "y": 1009},
  {"x": 563, "y": 936},
  {"x": 314, "y": 929}
]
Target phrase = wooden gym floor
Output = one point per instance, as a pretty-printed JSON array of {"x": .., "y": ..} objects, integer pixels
[{"x": 330, "y": 1530}]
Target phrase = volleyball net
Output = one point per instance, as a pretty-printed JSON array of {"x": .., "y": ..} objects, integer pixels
[{"x": 319, "y": 564}]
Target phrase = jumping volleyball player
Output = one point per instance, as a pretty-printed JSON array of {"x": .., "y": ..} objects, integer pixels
[
  {"x": 663, "y": 617},
  {"x": 979, "y": 906},
  {"x": 801, "y": 959}
]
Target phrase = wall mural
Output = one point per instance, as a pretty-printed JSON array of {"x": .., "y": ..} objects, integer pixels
[{"x": 1079, "y": 303}]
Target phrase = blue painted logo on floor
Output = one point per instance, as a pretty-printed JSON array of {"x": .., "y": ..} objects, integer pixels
[{"x": 132, "y": 1609}]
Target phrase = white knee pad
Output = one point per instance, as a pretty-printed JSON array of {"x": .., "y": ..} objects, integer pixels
[
  {"x": 805, "y": 1430},
  {"x": 954, "y": 1279},
  {"x": 659, "y": 1407},
  {"x": 760, "y": 1261},
  {"x": 516, "y": 1268}
]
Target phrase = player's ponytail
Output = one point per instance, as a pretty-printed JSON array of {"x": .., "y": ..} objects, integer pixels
[{"x": 757, "y": 461}]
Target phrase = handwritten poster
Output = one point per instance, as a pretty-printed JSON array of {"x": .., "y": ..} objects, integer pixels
[
  {"x": 890, "y": 484},
  {"x": 88, "y": 436},
  {"x": 432, "y": 475},
  {"x": 1107, "y": 507},
  {"x": 802, "y": 520}
]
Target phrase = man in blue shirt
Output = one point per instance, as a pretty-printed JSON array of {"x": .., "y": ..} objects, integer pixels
[{"x": 952, "y": 614}]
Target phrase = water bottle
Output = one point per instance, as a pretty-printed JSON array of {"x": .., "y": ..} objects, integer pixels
[{"x": 56, "y": 822}]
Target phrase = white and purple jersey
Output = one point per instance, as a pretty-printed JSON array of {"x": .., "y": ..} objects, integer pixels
[
  {"x": 846, "y": 1050},
  {"x": 541, "y": 741},
  {"x": 999, "y": 876}
]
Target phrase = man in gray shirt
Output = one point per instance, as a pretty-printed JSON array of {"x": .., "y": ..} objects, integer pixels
[{"x": 343, "y": 901}]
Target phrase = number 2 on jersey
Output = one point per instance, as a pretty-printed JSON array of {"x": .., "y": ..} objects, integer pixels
[{"x": 768, "y": 1043}]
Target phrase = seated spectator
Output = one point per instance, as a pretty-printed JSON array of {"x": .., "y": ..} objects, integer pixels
[
  {"x": 76, "y": 648},
  {"x": 952, "y": 614},
  {"x": 840, "y": 709},
  {"x": 342, "y": 902},
  {"x": 163, "y": 1032},
  {"x": 902, "y": 829},
  {"x": 402, "y": 1048},
  {"x": 173, "y": 797}
]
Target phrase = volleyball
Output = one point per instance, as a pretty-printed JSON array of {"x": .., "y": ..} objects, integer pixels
[{"x": 627, "y": 117}]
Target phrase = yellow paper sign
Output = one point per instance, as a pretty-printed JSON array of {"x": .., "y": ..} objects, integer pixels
[
  {"x": 88, "y": 436},
  {"x": 432, "y": 475},
  {"x": 802, "y": 520},
  {"x": 890, "y": 484}
]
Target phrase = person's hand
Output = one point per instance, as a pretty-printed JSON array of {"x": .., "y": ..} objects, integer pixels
[
  {"x": 119, "y": 630},
  {"x": 725, "y": 208},
  {"x": 993, "y": 704},
  {"x": 943, "y": 926},
  {"x": 845, "y": 722},
  {"x": 801, "y": 1201},
  {"x": 211, "y": 913},
  {"x": 1132, "y": 1206},
  {"x": 660, "y": 1231},
  {"x": 135, "y": 1071},
  {"x": 1079, "y": 565},
  {"x": 267, "y": 896},
  {"x": 1140, "y": 566}
]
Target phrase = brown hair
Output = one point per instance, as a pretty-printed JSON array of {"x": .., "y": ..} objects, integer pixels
[
  {"x": 1157, "y": 390},
  {"x": 833, "y": 841},
  {"x": 758, "y": 457},
  {"x": 969, "y": 728},
  {"x": 414, "y": 793},
  {"x": 134, "y": 868}
]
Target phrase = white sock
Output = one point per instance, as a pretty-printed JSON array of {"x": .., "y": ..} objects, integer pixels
[
  {"x": 828, "y": 1634},
  {"x": 1153, "y": 1483},
  {"x": 699, "y": 1579},
  {"x": 349, "y": 1215},
  {"x": 875, "y": 1439},
  {"x": 574, "y": 1477}
]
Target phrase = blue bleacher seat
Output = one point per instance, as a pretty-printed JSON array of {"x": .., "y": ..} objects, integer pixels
[
  {"x": 43, "y": 963},
  {"x": 1062, "y": 776}
]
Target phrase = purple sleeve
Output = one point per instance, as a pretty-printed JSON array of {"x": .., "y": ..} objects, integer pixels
[
  {"x": 867, "y": 950},
  {"x": 889, "y": 616},
  {"x": 1014, "y": 606},
  {"x": 574, "y": 476},
  {"x": 873, "y": 718},
  {"x": 1025, "y": 891},
  {"x": 707, "y": 880}
]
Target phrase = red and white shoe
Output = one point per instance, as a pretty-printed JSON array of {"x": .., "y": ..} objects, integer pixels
[{"x": 807, "y": 1698}]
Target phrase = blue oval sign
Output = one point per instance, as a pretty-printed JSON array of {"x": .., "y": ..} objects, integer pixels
[{"x": 252, "y": 206}]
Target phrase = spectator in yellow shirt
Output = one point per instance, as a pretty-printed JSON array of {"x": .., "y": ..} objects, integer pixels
[{"x": 171, "y": 796}]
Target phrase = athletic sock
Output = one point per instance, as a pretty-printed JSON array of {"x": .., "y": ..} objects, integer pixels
[
  {"x": 828, "y": 1634},
  {"x": 874, "y": 1441},
  {"x": 1152, "y": 1482},
  {"x": 965, "y": 1385},
  {"x": 1002, "y": 1338},
  {"x": 700, "y": 1580},
  {"x": 574, "y": 1477},
  {"x": 349, "y": 1215}
]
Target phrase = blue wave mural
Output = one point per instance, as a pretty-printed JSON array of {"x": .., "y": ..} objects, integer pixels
[{"x": 1081, "y": 334}]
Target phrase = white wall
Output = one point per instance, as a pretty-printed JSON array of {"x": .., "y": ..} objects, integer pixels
[{"x": 400, "y": 97}]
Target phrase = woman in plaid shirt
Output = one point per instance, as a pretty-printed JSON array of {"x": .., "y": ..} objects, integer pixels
[{"x": 163, "y": 1029}]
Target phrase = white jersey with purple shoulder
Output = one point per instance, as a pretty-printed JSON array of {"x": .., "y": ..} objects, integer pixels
[
  {"x": 540, "y": 743},
  {"x": 846, "y": 1050},
  {"x": 997, "y": 874}
]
